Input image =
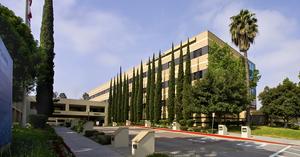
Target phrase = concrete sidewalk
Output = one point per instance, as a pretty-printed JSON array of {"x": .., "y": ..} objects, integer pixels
[
  {"x": 82, "y": 146},
  {"x": 281, "y": 140}
]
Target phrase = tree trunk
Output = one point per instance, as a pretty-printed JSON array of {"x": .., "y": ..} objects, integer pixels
[{"x": 248, "y": 88}]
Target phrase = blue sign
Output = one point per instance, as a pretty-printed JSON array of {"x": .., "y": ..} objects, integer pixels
[{"x": 6, "y": 76}]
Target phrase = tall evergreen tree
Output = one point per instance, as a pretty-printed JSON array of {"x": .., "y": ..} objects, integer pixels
[
  {"x": 126, "y": 98},
  {"x": 137, "y": 86},
  {"x": 158, "y": 96},
  {"x": 132, "y": 99},
  {"x": 117, "y": 99},
  {"x": 120, "y": 100},
  {"x": 45, "y": 77},
  {"x": 147, "y": 107},
  {"x": 110, "y": 99},
  {"x": 114, "y": 111},
  {"x": 179, "y": 87},
  {"x": 186, "y": 94},
  {"x": 171, "y": 90},
  {"x": 140, "y": 95},
  {"x": 152, "y": 90}
]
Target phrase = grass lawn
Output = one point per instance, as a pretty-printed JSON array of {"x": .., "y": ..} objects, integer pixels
[
  {"x": 270, "y": 132},
  {"x": 33, "y": 142},
  {"x": 277, "y": 132}
]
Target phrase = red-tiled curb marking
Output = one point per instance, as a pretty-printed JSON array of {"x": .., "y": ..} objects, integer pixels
[{"x": 216, "y": 135}]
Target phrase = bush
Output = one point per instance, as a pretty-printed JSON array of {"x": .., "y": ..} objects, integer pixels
[
  {"x": 190, "y": 122},
  {"x": 163, "y": 122},
  {"x": 158, "y": 155},
  {"x": 185, "y": 128},
  {"x": 38, "y": 120},
  {"x": 100, "y": 133},
  {"x": 68, "y": 124},
  {"x": 197, "y": 129},
  {"x": 182, "y": 122},
  {"x": 89, "y": 133},
  {"x": 103, "y": 139}
]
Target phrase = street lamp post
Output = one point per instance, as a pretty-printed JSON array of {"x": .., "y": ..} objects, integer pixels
[{"x": 213, "y": 119}]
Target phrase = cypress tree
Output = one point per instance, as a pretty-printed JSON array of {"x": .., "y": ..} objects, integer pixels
[
  {"x": 45, "y": 79},
  {"x": 132, "y": 99},
  {"x": 147, "y": 107},
  {"x": 120, "y": 100},
  {"x": 152, "y": 90},
  {"x": 158, "y": 96},
  {"x": 137, "y": 86},
  {"x": 117, "y": 99},
  {"x": 110, "y": 103},
  {"x": 140, "y": 95},
  {"x": 171, "y": 90},
  {"x": 114, "y": 101},
  {"x": 179, "y": 87},
  {"x": 126, "y": 98},
  {"x": 186, "y": 94}
]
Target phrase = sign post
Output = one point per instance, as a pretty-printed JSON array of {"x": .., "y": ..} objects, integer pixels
[{"x": 213, "y": 119}]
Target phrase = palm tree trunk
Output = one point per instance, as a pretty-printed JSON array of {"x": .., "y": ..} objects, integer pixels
[{"x": 248, "y": 88}]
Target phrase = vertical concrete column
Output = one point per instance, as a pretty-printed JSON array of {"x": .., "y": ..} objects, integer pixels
[
  {"x": 106, "y": 115},
  {"x": 67, "y": 107}
]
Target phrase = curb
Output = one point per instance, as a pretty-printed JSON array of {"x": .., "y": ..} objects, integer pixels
[{"x": 220, "y": 136}]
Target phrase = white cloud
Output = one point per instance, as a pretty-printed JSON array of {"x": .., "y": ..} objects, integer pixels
[{"x": 276, "y": 50}]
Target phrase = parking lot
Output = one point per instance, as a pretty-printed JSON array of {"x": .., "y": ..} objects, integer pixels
[{"x": 183, "y": 144}]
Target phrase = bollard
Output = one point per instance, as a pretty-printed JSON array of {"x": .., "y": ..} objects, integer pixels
[
  {"x": 245, "y": 132},
  {"x": 176, "y": 126},
  {"x": 143, "y": 144},
  {"x": 222, "y": 130},
  {"x": 147, "y": 123},
  {"x": 128, "y": 122},
  {"x": 120, "y": 137},
  {"x": 114, "y": 123}
]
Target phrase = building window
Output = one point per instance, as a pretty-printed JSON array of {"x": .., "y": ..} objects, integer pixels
[
  {"x": 97, "y": 109},
  {"x": 80, "y": 108}
]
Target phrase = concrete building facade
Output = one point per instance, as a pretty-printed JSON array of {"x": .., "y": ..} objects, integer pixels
[
  {"x": 67, "y": 109},
  {"x": 199, "y": 46}
]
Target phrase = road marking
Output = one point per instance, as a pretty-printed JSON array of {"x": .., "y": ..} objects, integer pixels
[
  {"x": 280, "y": 151},
  {"x": 292, "y": 153},
  {"x": 298, "y": 150}
]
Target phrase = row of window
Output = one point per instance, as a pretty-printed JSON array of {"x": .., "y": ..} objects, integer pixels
[
  {"x": 194, "y": 54},
  {"x": 165, "y": 84}
]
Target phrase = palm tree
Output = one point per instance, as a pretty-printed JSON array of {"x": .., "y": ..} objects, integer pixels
[{"x": 243, "y": 29}]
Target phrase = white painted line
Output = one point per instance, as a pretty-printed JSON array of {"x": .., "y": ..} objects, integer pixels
[
  {"x": 292, "y": 153},
  {"x": 280, "y": 151},
  {"x": 298, "y": 150}
]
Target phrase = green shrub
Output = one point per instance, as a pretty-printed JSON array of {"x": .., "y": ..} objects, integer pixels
[
  {"x": 38, "y": 120},
  {"x": 103, "y": 139},
  {"x": 197, "y": 129},
  {"x": 100, "y": 133},
  {"x": 89, "y": 133},
  {"x": 190, "y": 122},
  {"x": 182, "y": 122},
  {"x": 185, "y": 128},
  {"x": 68, "y": 124},
  {"x": 158, "y": 155},
  {"x": 163, "y": 122}
]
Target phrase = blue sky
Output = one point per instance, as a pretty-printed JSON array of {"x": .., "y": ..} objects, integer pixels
[{"x": 94, "y": 38}]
